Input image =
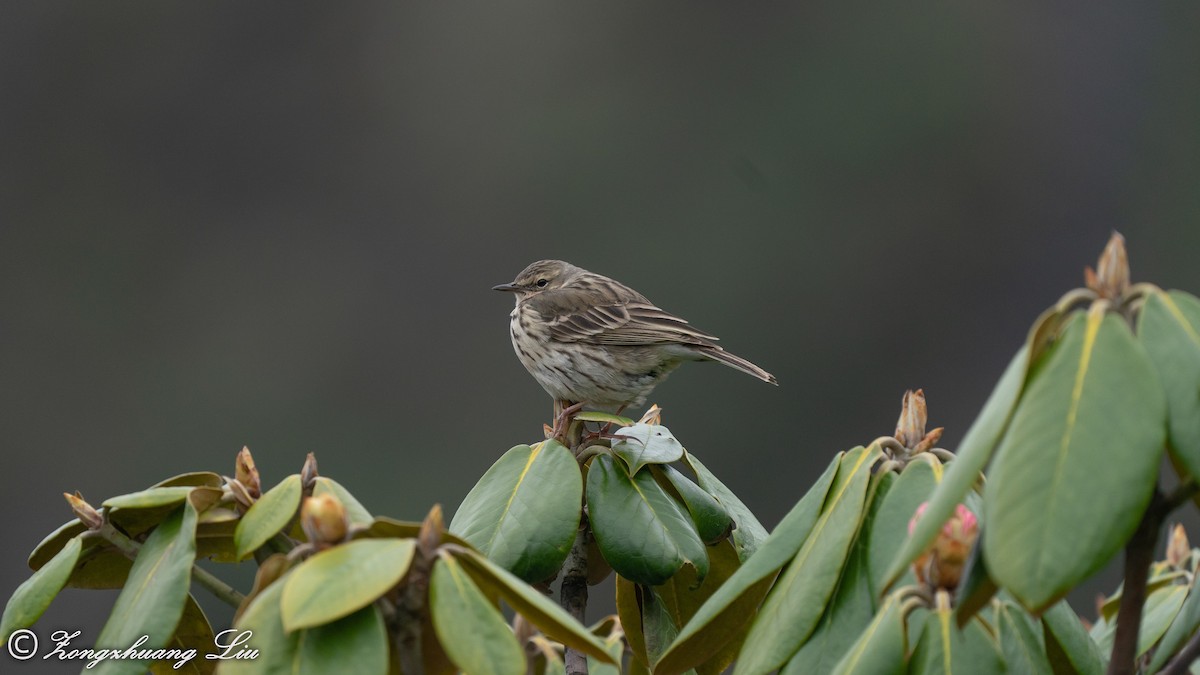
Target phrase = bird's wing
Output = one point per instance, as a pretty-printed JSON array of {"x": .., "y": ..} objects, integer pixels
[{"x": 625, "y": 324}]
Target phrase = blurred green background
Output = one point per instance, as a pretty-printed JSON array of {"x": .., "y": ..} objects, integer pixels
[{"x": 277, "y": 225}]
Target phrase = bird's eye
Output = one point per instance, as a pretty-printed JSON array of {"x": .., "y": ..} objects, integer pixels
[{"x": 541, "y": 283}]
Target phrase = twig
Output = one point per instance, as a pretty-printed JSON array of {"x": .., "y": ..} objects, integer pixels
[
  {"x": 1139, "y": 555},
  {"x": 222, "y": 590}
]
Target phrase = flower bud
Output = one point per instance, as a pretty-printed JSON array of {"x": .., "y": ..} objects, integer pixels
[
  {"x": 910, "y": 428},
  {"x": 240, "y": 494},
  {"x": 247, "y": 474},
  {"x": 308, "y": 475},
  {"x": 652, "y": 416},
  {"x": 430, "y": 536},
  {"x": 1111, "y": 278},
  {"x": 941, "y": 566},
  {"x": 1178, "y": 548},
  {"x": 324, "y": 519},
  {"x": 84, "y": 511}
]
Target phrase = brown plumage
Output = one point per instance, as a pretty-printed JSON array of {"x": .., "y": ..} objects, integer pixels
[{"x": 589, "y": 339}]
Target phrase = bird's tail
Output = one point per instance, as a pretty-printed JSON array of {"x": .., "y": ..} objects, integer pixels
[{"x": 734, "y": 361}]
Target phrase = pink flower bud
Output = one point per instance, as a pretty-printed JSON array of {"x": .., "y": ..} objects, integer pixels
[{"x": 941, "y": 566}]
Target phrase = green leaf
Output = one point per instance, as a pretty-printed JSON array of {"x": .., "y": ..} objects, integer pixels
[
  {"x": 727, "y": 613},
  {"x": 1182, "y": 628},
  {"x": 973, "y": 455},
  {"x": 629, "y": 611},
  {"x": 848, "y": 614},
  {"x": 684, "y": 595},
  {"x": 100, "y": 568},
  {"x": 54, "y": 542},
  {"x": 712, "y": 522},
  {"x": 268, "y": 516},
  {"x": 644, "y": 535},
  {"x": 357, "y": 643},
  {"x": 658, "y": 627},
  {"x": 975, "y": 590},
  {"x": 643, "y": 444},
  {"x": 148, "y": 499},
  {"x": 32, "y": 598},
  {"x": 529, "y": 603},
  {"x": 945, "y": 649},
  {"x": 277, "y": 649},
  {"x": 607, "y": 418},
  {"x": 138, "y": 512},
  {"x": 193, "y": 632},
  {"x": 343, "y": 579},
  {"x": 155, "y": 593},
  {"x": 889, "y": 526},
  {"x": 192, "y": 479},
  {"x": 880, "y": 648},
  {"x": 1091, "y": 423},
  {"x": 609, "y": 631},
  {"x": 382, "y": 527},
  {"x": 524, "y": 512},
  {"x": 1169, "y": 328},
  {"x": 1068, "y": 645},
  {"x": 680, "y": 598},
  {"x": 353, "y": 644},
  {"x": 1162, "y": 606},
  {"x": 748, "y": 533},
  {"x": 794, "y": 606},
  {"x": 356, "y": 513},
  {"x": 1021, "y": 642},
  {"x": 472, "y": 631}
]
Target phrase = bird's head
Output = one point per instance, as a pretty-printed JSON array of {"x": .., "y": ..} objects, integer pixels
[{"x": 541, "y": 276}]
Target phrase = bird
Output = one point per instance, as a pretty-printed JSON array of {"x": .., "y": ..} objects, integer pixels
[{"x": 592, "y": 341}]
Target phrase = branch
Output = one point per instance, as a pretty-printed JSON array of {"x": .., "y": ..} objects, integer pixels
[
  {"x": 1139, "y": 555},
  {"x": 222, "y": 590},
  {"x": 573, "y": 595}
]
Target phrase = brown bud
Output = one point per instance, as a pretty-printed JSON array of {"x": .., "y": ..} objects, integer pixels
[
  {"x": 240, "y": 494},
  {"x": 523, "y": 630},
  {"x": 430, "y": 536},
  {"x": 1178, "y": 548},
  {"x": 1110, "y": 280},
  {"x": 324, "y": 519},
  {"x": 247, "y": 474},
  {"x": 926, "y": 444},
  {"x": 269, "y": 571},
  {"x": 910, "y": 428},
  {"x": 652, "y": 416},
  {"x": 84, "y": 511},
  {"x": 308, "y": 475}
]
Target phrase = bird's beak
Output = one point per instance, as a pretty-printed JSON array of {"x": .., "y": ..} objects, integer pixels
[{"x": 512, "y": 288}]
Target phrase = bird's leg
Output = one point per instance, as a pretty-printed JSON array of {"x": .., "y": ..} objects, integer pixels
[{"x": 564, "y": 413}]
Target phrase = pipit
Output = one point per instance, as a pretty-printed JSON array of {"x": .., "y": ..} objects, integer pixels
[{"x": 590, "y": 340}]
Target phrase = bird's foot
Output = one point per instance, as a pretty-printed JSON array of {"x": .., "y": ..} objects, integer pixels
[{"x": 564, "y": 415}]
